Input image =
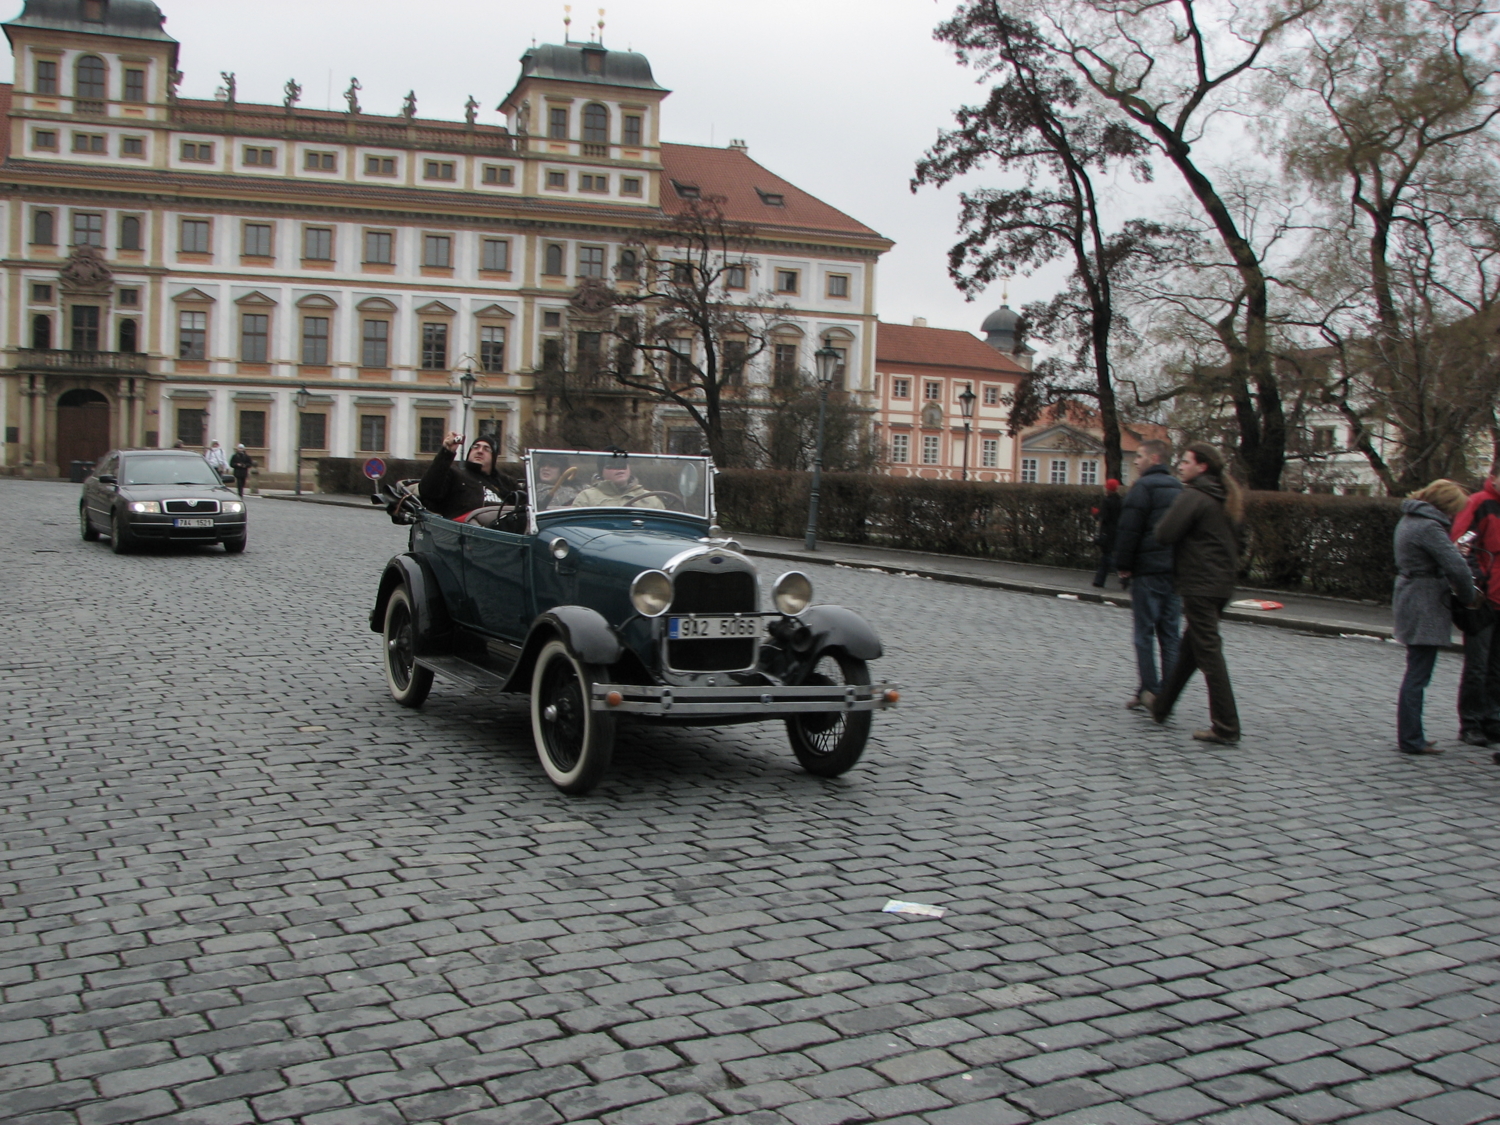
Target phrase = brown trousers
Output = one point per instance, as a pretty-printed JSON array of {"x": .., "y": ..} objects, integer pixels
[{"x": 1202, "y": 648}]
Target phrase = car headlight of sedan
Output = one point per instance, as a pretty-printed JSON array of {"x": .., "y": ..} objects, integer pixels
[
  {"x": 145, "y": 506},
  {"x": 651, "y": 593},
  {"x": 233, "y": 507},
  {"x": 792, "y": 593}
]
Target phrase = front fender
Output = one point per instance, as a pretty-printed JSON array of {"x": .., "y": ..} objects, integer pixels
[
  {"x": 433, "y": 626},
  {"x": 585, "y": 631},
  {"x": 833, "y": 626}
]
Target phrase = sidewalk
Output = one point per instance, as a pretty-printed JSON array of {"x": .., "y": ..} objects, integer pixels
[{"x": 1325, "y": 616}]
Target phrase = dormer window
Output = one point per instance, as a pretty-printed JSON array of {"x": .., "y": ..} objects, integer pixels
[
  {"x": 593, "y": 61},
  {"x": 771, "y": 198},
  {"x": 686, "y": 191},
  {"x": 93, "y": 11}
]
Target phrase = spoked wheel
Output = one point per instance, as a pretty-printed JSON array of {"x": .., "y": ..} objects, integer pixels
[
  {"x": 120, "y": 540},
  {"x": 830, "y": 742},
  {"x": 85, "y": 528},
  {"x": 574, "y": 742},
  {"x": 409, "y": 681}
]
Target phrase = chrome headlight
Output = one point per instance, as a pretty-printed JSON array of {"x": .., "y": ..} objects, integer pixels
[
  {"x": 651, "y": 593},
  {"x": 145, "y": 506},
  {"x": 233, "y": 507},
  {"x": 792, "y": 592},
  {"x": 559, "y": 548}
]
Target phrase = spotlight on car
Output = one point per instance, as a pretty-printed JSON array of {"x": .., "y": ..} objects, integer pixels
[
  {"x": 651, "y": 593},
  {"x": 559, "y": 548},
  {"x": 792, "y": 593}
]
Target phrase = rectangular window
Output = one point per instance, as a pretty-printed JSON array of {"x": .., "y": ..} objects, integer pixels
[
  {"x": 315, "y": 340},
  {"x": 438, "y": 170},
  {"x": 492, "y": 348},
  {"x": 46, "y": 77},
  {"x": 133, "y": 146},
  {"x": 992, "y": 396},
  {"x": 930, "y": 447},
  {"x": 320, "y": 161},
  {"x": 191, "y": 422},
  {"x": 932, "y": 392},
  {"x": 192, "y": 335},
  {"x": 375, "y": 344},
  {"x": 786, "y": 281},
  {"x": 378, "y": 247},
  {"x": 90, "y": 142},
  {"x": 430, "y": 432},
  {"x": 317, "y": 244},
  {"x": 435, "y": 347},
  {"x": 196, "y": 153},
  {"x": 632, "y": 131},
  {"x": 557, "y": 181},
  {"x": 135, "y": 85},
  {"x": 130, "y": 298},
  {"x": 380, "y": 165},
  {"x": 590, "y": 349},
  {"x": 552, "y": 354},
  {"x": 557, "y": 123},
  {"x": 551, "y": 320},
  {"x": 733, "y": 356},
  {"x": 88, "y": 229},
  {"x": 44, "y": 139},
  {"x": 42, "y": 293},
  {"x": 593, "y": 183},
  {"x": 591, "y": 261},
  {"x": 734, "y": 276},
  {"x": 253, "y": 428},
  {"x": 437, "y": 251},
  {"x": 313, "y": 431},
  {"x": 784, "y": 365},
  {"x": 989, "y": 453},
  {"x": 630, "y": 185},
  {"x": 260, "y": 157},
  {"x": 257, "y": 240},
  {"x": 900, "y": 448},
  {"x": 193, "y": 236},
  {"x": 85, "y": 328},
  {"x": 1028, "y": 470},
  {"x": 1323, "y": 439},
  {"x": 130, "y": 232},
  {"x": 901, "y": 388},
  {"x": 499, "y": 174},
  {"x": 1088, "y": 472},
  {"x": 495, "y": 254},
  {"x": 372, "y": 433},
  {"x": 838, "y": 285},
  {"x": 255, "y": 333},
  {"x": 1059, "y": 473}
]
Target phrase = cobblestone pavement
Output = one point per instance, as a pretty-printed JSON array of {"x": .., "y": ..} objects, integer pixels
[{"x": 238, "y": 884}]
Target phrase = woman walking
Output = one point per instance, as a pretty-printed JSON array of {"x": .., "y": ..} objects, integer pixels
[{"x": 1428, "y": 567}]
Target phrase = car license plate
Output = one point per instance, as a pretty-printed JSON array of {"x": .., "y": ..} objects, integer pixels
[
  {"x": 192, "y": 523},
  {"x": 714, "y": 628}
]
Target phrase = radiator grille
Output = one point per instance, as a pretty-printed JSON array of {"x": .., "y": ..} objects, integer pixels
[
  {"x": 192, "y": 507},
  {"x": 699, "y": 591}
]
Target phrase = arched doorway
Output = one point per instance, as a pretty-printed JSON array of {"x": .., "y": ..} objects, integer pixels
[{"x": 82, "y": 428}]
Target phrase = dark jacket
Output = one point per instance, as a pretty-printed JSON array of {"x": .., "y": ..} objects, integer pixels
[
  {"x": 1109, "y": 521},
  {"x": 450, "y": 488},
  {"x": 1136, "y": 548},
  {"x": 241, "y": 463},
  {"x": 1428, "y": 566},
  {"x": 1204, "y": 540},
  {"x": 1481, "y": 515}
]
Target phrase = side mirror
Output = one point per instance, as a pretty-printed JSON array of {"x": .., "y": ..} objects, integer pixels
[{"x": 108, "y": 478}]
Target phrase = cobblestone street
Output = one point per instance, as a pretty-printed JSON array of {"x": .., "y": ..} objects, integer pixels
[{"x": 239, "y": 884}]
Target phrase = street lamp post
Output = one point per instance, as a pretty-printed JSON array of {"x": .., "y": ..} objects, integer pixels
[
  {"x": 301, "y": 398},
  {"x": 466, "y": 383},
  {"x": 827, "y": 361},
  {"x": 966, "y": 405}
]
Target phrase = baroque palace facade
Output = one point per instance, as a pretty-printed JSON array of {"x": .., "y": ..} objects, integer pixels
[{"x": 179, "y": 270}]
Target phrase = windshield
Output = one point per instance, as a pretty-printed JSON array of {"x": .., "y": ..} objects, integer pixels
[
  {"x": 603, "y": 480},
  {"x": 167, "y": 470}
]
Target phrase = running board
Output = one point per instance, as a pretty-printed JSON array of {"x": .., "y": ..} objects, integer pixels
[{"x": 465, "y": 672}]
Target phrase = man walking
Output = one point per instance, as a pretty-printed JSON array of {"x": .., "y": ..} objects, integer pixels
[
  {"x": 240, "y": 465},
  {"x": 1479, "y": 686},
  {"x": 1147, "y": 566},
  {"x": 1202, "y": 528},
  {"x": 1109, "y": 529}
]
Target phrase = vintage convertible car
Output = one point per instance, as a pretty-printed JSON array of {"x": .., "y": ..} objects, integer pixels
[{"x": 605, "y": 592}]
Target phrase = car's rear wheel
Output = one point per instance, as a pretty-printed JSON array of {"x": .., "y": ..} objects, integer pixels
[
  {"x": 828, "y": 743},
  {"x": 573, "y": 741},
  {"x": 120, "y": 540},
  {"x": 85, "y": 528},
  {"x": 236, "y": 545},
  {"x": 409, "y": 681}
]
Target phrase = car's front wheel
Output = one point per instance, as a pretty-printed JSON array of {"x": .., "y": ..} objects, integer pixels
[
  {"x": 573, "y": 741},
  {"x": 85, "y": 527},
  {"x": 828, "y": 743},
  {"x": 409, "y": 681},
  {"x": 120, "y": 540},
  {"x": 236, "y": 545}
]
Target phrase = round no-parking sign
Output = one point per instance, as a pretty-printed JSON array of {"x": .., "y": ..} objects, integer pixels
[{"x": 374, "y": 468}]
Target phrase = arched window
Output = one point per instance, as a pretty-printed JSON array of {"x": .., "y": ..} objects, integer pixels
[
  {"x": 554, "y": 263},
  {"x": 89, "y": 78},
  {"x": 595, "y": 124},
  {"x": 43, "y": 228},
  {"x": 128, "y": 336},
  {"x": 41, "y": 333},
  {"x": 627, "y": 269}
]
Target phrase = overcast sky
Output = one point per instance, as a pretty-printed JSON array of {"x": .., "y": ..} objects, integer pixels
[{"x": 840, "y": 97}]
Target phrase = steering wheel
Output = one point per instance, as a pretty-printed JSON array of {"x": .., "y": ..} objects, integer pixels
[{"x": 670, "y": 498}]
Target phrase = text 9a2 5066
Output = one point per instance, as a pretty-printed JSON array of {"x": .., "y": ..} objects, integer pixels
[{"x": 715, "y": 627}]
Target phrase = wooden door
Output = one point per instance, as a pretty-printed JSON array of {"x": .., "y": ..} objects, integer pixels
[{"x": 82, "y": 428}]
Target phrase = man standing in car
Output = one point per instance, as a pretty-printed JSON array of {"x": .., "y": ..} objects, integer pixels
[{"x": 453, "y": 488}]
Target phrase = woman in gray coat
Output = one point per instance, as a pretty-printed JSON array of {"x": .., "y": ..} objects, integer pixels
[{"x": 1430, "y": 571}]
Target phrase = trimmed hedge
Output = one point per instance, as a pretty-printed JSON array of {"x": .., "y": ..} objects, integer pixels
[{"x": 1338, "y": 546}]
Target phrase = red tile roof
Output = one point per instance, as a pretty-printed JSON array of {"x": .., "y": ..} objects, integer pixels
[
  {"x": 731, "y": 174},
  {"x": 1082, "y": 417},
  {"x": 942, "y": 347}
]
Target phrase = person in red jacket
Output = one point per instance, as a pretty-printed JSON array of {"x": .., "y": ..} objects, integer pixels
[{"x": 1479, "y": 686}]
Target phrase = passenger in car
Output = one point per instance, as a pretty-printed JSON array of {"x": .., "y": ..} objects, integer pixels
[
  {"x": 453, "y": 488},
  {"x": 555, "y": 487},
  {"x": 616, "y": 486}
]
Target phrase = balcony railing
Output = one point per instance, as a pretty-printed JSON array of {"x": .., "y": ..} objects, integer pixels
[
  {"x": 56, "y": 359},
  {"x": 259, "y": 122}
]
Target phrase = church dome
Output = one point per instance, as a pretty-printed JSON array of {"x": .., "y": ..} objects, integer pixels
[{"x": 1003, "y": 319}]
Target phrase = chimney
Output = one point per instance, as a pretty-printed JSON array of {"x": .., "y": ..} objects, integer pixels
[
  {"x": 919, "y": 322},
  {"x": 739, "y": 145}
]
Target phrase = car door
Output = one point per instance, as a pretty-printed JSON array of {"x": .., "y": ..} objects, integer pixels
[
  {"x": 496, "y": 591},
  {"x": 98, "y": 497}
]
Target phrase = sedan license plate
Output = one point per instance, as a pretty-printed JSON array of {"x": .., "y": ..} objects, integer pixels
[
  {"x": 714, "y": 628},
  {"x": 192, "y": 523}
]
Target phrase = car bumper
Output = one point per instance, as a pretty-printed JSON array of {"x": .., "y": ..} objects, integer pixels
[
  {"x": 765, "y": 700},
  {"x": 154, "y": 528}
]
